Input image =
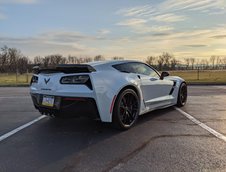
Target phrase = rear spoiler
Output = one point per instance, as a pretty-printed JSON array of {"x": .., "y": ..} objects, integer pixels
[{"x": 65, "y": 68}]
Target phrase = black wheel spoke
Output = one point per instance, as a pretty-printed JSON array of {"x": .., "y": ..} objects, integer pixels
[
  {"x": 183, "y": 94},
  {"x": 130, "y": 115},
  {"x": 128, "y": 109},
  {"x": 124, "y": 101}
]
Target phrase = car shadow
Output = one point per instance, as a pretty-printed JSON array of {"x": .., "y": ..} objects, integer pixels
[{"x": 56, "y": 141}]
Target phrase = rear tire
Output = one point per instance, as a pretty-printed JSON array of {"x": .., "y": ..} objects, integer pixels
[
  {"x": 126, "y": 109},
  {"x": 182, "y": 95}
]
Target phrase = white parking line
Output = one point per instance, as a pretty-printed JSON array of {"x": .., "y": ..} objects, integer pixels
[
  {"x": 3, "y": 137},
  {"x": 204, "y": 126}
]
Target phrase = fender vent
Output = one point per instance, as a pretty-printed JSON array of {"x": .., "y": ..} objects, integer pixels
[{"x": 174, "y": 84}]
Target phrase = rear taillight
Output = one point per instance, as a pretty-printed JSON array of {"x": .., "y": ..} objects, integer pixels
[
  {"x": 77, "y": 79},
  {"x": 34, "y": 79}
]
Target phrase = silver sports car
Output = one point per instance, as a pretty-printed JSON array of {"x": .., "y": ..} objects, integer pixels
[{"x": 113, "y": 91}]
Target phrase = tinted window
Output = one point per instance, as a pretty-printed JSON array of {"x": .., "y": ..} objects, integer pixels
[
  {"x": 143, "y": 69},
  {"x": 125, "y": 67},
  {"x": 138, "y": 68}
]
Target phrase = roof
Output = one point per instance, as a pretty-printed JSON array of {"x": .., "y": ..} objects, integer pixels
[{"x": 109, "y": 62}]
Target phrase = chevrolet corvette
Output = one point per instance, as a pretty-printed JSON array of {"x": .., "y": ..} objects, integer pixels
[{"x": 112, "y": 91}]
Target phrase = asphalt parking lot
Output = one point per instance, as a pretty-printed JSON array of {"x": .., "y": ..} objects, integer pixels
[{"x": 163, "y": 140}]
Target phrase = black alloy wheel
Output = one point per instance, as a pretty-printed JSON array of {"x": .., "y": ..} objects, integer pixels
[
  {"x": 182, "y": 95},
  {"x": 126, "y": 109}
]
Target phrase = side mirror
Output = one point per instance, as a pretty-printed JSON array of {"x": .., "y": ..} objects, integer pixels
[{"x": 164, "y": 74}]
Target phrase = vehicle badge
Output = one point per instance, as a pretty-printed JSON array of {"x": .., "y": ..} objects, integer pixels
[{"x": 46, "y": 80}]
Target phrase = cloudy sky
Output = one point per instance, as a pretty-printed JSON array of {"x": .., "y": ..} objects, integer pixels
[{"x": 128, "y": 28}]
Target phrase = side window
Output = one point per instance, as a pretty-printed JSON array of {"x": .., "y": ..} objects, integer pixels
[
  {"x": 143, "y": 69},
  {"x": 139, "y": 68},
  {"x": 126, "y": 67}
]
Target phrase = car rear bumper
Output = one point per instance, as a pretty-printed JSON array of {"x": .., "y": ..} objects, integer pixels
[{"x": 67, "y": 106}]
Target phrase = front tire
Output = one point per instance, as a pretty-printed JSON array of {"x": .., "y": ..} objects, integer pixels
[
  {"x": 126, "y": 109},
  {"x": 182, "y": 95}
]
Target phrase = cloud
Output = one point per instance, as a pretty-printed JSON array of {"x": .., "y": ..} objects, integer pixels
[
  {"x": 18, "y": 1},
  {"x": 138, "y": 11},
  {"x": 140, "y": 19},
  {"x": 192, "y": 5},
  {"x": 153, "y": 29},
  {"x": 104, "y": 31},
  {"x": 219, "y": 12},
  {"x": 170, "y": 17},
  {"x": 132, "y": 22},
  {"x": 152, "y": 40},
  {"x": 51, "y": 43},
  {"x": 62, "y": 36},
  {"x": 196, "y": 45},
  {"x": 140, "y": 26},
  {"x": 168, "y": 10},
  {"x": 161, "y": 34},
  {"x": 219, "y": 37}
]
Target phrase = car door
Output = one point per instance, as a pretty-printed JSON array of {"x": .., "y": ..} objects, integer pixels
[{"x": 155, "y": 90}]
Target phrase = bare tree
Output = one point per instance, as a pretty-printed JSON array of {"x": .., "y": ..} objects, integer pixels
[
  {"x": 192, "y": 62},
  {"x": 160, "y": 62},
  {"x": 218, "y": 61},
  {"x": 173, "y": 62},
  {"x": 224, "y": 62},
  {"x": 12, "y": 60},
  {"x": 53, "y": 60},
  {"x": 117, "y": 58},
  {"x": 4, "y": 56},
  {"x": 212, "y": 60},
  {"x": 150, "y": 60},
  {"x": 87, "y": 59},
  {"x": 23, "y": 64},
  {"x": 72, "y": 59},
  {"x": 99, "y": 58},
  {"x": 38, "y": 60},
  {"x": 167, "y": 57},
  {"x": 14, "y": 56},
  {"x": 187, "y": 62}
]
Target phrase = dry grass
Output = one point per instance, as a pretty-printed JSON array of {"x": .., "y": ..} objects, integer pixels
[
  {"x": 210, "y": 76},
  {"x": 207, "y": 76},
  {"x": 12, "y": 79}
]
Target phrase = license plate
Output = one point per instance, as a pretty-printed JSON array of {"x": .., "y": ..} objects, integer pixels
[{"x": 48, "y": 101}]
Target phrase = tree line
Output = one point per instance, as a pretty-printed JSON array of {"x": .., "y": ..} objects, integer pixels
[
  {"x": 167, "y": 61},
  {"x": 13, "y": 61}
]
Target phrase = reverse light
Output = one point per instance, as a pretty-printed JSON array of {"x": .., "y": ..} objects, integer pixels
[{"x": 75, "y": 79}]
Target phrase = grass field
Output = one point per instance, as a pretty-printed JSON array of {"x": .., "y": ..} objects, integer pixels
[
  {"x": 204, "y": 76},
  {"x": 12, "y": 79},
  {"x": 191, "y": 76}
]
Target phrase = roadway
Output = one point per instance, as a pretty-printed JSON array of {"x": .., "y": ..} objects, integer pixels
[{"x": 163, "y": 140}]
